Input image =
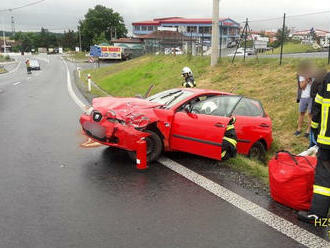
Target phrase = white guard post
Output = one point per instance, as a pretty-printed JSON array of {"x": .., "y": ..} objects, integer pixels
[
  {"x": 89, "y": 82},
  {"x": 78, "y": 69}
]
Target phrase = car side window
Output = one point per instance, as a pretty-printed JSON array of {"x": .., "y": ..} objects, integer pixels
[
  {"x": 194, "y": 101},
  {"x": 216, "y": 106},
  {"x": 248, "y": 107}
]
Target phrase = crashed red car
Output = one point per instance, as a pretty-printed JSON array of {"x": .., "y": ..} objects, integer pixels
[{"x": 188, "y": 120}]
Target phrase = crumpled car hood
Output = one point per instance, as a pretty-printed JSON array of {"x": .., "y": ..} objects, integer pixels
[{"x": 124, "y": 107}]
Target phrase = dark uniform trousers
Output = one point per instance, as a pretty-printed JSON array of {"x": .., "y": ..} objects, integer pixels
[{"x": 321, "y": 196}]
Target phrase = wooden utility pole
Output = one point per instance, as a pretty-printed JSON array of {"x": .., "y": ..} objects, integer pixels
[
  {"x": 215, "y": 33},
  {"x": 79, "y": 33}
]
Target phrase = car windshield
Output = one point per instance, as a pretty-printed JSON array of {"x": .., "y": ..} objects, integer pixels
[{"x": 169, "y": 98}]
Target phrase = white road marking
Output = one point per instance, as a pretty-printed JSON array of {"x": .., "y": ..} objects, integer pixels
[
  {"x": 71, "y": 91},
  {"x": 17, "y": 83},
  {"x": 287, "y": 228}
]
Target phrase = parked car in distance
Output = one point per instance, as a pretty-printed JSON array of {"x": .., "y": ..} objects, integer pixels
[
  {"x": 238, "y": 54},
  {"x": 232, "y": 44},
  {"x": 34, "y": 64}
]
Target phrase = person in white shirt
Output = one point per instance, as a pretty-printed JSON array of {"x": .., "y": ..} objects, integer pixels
[{"x": 305, "y": 101}]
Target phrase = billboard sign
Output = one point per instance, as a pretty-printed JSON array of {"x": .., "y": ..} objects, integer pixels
[
  {"x": 110, "y": 52},
  {"x": 106, "y": 52},
  {"x": 260, "y": 44}
]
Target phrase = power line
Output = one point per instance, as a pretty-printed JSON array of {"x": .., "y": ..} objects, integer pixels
[
  {"x": 23, "y": 6},
  {"x": 297, "y": 15}
]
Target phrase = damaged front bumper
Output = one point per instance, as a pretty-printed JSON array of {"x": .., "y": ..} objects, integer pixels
[{"x": 115, "y": 134}]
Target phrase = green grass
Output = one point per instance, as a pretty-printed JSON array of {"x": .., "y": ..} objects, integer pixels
[
  {"x": 135, "y": 76},
  {"x": 4, "y": 58},
  {"x": 2, "y": 70},
  {"x": 80, "y": 56},
  {"x": 291, "y": 47},
  {"x": 249, "y": 167},
  {"x": 263, "y": 79}
]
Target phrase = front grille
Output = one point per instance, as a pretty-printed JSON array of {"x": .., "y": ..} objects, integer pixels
[
  {"x": 113, "y": 139},
  {"x": 104, "y": 139}
]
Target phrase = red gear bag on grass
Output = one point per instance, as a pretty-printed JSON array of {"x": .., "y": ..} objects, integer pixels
[{"x": 291, "y": 179}]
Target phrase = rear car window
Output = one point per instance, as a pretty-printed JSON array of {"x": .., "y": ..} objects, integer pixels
[{"x": 249, "y": 107}]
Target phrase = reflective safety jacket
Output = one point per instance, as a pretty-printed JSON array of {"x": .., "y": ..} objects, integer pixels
[
  {"x": 321, "y": 117},
  {"x": 229, "y": 141},
  {"x": 189, "y": 82}
]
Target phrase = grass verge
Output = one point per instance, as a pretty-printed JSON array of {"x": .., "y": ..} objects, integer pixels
[
  {"x": 249, "y": 167},
  {"x": 291, "y": 47},
  {"x": 4, "y": 58},
  {"x": 2, "y": 70},
  {"x": 78, "y": 56}
]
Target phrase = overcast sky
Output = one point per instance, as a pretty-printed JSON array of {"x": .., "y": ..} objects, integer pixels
[{"x": 57, "y": 15}]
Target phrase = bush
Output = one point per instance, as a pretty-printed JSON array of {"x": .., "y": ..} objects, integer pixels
[{"x": 275, "y": 44}]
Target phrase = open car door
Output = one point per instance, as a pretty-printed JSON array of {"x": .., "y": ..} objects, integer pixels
[{"x": 198, "y": 129}]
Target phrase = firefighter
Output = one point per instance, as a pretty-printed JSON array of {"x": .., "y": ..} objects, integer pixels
[
  {"x": 321, "y": 128},
  {"x": 189, "y": 81},
  {"x": 229, "y": 141}
]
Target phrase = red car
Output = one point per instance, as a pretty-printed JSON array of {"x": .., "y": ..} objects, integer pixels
[{"x": 188, "y": 120}]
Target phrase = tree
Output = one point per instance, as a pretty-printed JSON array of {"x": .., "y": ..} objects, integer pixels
[
  {"x": 69, "y": 39},
  {"x": 314, "y": 36},
  {"x": 100, "y": 39},
  {"x": 285, "y": 36},
  {"x": 101, "y": 22}
]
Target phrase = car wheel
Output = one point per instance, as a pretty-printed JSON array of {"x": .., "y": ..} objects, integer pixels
[
  {"x": 258, "y": 151},
  {"x": 154, "y": 147}
]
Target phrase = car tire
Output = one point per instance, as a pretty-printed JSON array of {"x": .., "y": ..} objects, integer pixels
[
  {"x": 154, "y": 147},
  {"x": 258, "y": 151}
]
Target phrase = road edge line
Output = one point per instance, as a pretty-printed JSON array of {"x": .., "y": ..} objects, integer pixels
[
  {"x": 276, "y": 222},
  {"x": 70, "y": 89}
]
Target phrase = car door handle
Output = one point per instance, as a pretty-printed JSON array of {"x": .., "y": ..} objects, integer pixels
[
  {"x": 218, "y": 124},
  {"x": 263, "y": 125}
]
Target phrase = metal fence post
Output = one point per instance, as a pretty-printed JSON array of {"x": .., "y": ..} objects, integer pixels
[
  {"x": 202, "y": 52},
  {"x": 282, "y": 42},
  {"x": 245, "y": 37}
]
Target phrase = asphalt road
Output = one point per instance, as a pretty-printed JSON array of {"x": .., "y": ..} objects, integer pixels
[{"x": 56, "y": 194}]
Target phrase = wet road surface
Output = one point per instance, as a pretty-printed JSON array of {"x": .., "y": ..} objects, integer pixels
[{"x": 56, "y": 194}]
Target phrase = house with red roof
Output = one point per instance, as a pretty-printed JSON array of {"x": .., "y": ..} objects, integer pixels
[{"x": 191, "y": 27}]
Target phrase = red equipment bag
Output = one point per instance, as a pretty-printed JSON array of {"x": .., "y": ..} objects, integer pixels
[{"x": 291, "y": 179}]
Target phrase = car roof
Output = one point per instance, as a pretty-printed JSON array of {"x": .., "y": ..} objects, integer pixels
[{"x": 205, "y": 91}]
